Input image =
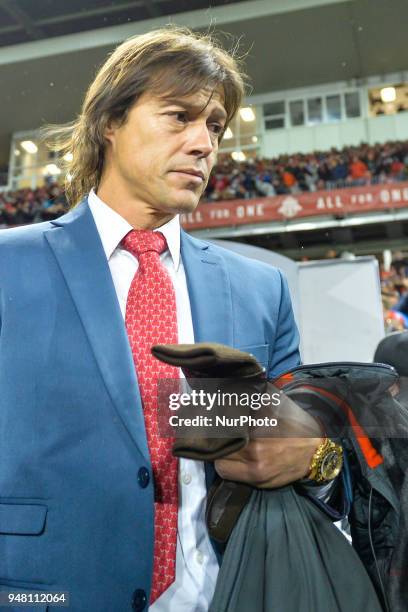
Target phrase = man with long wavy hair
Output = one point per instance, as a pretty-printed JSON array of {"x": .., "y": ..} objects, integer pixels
[{"x": 84, "y": 504}]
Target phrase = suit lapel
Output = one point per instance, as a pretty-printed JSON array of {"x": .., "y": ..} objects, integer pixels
[
  {"x": 209, "y": 291},
  {"x": 77, "y": 247},
  {"x": 211, "y": 306}
]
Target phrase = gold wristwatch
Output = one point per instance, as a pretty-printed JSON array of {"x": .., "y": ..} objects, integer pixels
[{"x": 327, "y": 462}]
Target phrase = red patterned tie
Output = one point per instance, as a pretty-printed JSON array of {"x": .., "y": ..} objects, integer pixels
[{"x": 151, "y": 318}]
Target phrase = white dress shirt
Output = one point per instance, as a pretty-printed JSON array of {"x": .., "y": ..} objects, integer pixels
[{"x": 196, "y": 563}]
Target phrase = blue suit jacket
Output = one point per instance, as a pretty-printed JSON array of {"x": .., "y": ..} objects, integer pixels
[{"x": 74, "y": 514}]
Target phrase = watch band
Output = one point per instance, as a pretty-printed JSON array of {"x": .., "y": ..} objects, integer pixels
[{"x": 326, "y": 462}]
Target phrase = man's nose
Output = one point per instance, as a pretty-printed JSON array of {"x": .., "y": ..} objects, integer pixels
[{"x": 200, "y": 140}]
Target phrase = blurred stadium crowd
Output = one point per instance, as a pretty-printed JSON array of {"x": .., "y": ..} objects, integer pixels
[
  {"x": 350, "y": 167},
  {"x": 394, "y": 291},
  {"x": 31, "y": 205}
]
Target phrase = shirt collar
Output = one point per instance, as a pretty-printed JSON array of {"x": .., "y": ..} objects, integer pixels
[{"x": 112, "y": 228}]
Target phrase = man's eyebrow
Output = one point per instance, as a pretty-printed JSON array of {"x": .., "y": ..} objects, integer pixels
[{"x": 218, "y": 111}]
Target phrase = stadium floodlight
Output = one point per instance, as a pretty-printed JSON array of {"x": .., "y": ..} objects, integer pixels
[
  {"x": 388, "y": 94},
  {"x": 29, "y": 146},
  {"x": 52, "y": 169},
  {"x": 247, "y": 114},
  {"x": 238, "y": 156},
  {"x": 68, "y": 157},
  {"x": 228, "y": 134}
]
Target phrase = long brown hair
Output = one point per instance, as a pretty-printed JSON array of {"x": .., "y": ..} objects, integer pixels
[{"x": 168, "y": 60}]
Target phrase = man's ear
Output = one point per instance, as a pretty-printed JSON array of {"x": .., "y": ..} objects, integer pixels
[{"x": 110, "y": 130}]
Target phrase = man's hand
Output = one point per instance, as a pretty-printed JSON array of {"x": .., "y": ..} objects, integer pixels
[
  {"x": 269, "y": 462},
  {"x": 281, "y": 458}
]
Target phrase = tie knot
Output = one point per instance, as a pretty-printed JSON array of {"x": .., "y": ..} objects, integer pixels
[{"x": 138, "y": 242}]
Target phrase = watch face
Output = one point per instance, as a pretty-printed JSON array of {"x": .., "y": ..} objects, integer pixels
[{"x": 331, "y": 465}]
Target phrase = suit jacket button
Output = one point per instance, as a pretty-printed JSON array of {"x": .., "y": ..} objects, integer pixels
[
  {"x": 139, "y": 600},
  {"x": 143, "y": 477}
]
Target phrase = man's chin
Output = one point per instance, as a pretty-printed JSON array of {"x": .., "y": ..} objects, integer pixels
[{"x": 183, "y": 203}]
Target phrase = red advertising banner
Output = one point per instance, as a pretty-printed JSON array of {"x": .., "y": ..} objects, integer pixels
[{"x": 339, "y": 202}]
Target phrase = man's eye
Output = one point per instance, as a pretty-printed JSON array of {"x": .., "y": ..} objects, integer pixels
[
  {"x": 180, "y": 116},
  {"x": 216, "y": 128}
]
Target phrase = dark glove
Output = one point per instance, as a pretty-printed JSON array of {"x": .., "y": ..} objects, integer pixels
[
  {"x": 209, "y": 360},
  {"x": 199, "y": 363}
]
